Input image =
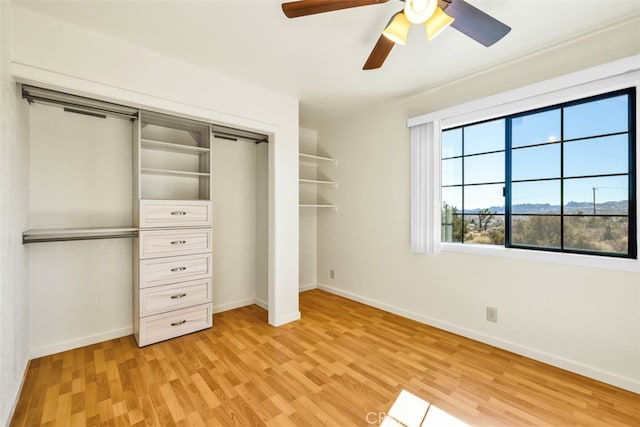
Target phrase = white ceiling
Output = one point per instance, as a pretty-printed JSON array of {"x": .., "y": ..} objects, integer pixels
[{"x": 319, "y": 58}]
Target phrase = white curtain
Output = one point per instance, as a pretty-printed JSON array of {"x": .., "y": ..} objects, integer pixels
[{"x": 425, "y": 188}]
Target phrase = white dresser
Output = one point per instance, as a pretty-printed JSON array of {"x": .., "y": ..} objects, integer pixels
[{"x": 172, "y": 293}]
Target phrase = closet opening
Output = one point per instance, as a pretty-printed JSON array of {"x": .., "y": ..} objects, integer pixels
[{"x": 107, "y": 184}]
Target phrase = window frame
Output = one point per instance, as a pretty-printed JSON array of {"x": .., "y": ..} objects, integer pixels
[
  {"x": 632, "y": 195},
  {"x": 592, "y": 81},
  {"x": 508, "y": 215},
  {"x": 463, "y": 157}
]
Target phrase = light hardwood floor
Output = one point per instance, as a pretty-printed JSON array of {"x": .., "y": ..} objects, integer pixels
[{"x": 341, "y": 362}]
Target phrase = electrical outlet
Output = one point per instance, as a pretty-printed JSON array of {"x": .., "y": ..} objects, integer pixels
[
  {"x": 332, "y": 274},
  {"x": 492, "y": 314}
]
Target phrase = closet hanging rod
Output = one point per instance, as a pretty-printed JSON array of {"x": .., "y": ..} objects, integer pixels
[
  {"x": 225, "y": 132},
  {"x": 85, "y": 112},
  {"x": 57, "y": 103},
  {"x": 55, "y": 98},
  {"x": 71, "y": 239},
  {"x": 71, "y": 234},
  {"x": 224, "y": 136}
]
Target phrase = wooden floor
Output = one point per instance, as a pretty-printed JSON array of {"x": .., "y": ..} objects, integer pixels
[{"x": 341, "y": 365}]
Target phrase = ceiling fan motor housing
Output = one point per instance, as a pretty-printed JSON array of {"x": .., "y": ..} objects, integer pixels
[{"x": 418, "y": 11}]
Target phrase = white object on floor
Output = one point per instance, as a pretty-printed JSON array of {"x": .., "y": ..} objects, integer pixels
[
  {"x": 436, "y": 417},
  {"x": 410, "y": 411}
]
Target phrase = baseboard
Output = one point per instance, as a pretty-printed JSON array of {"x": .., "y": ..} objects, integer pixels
[
  {"x": 291, "y": 317},
  {"x": 262, "y": 303},
  {"x": 16, "y": 397},
  {"x": 551, "y": 359},
  {"x": 233, "y": 304},
  {"x": 117, "y": 333},
  {"x": 308, "y": 287},
  {"x": 303, "y": 288},
  {"x": 80, "y": 342}
]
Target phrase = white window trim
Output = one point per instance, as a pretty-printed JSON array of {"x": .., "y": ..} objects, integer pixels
[{"x": 604, "y": 78}]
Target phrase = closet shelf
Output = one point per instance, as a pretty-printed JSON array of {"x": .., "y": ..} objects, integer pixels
[
  {"x": 312, "y": 158},
  {"x": 150, "y": 171},
  {"x": 316, "y": 181},
  {"x": 67, "y": 234},
  {"x": 318, "y": 206},
  {"x": 151, "y": 144}
]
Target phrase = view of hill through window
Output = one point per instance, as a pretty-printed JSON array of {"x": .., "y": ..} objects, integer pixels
[{"x": 558, "y": 178}]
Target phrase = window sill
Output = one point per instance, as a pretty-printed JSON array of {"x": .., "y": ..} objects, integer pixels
[{"x": 592, "y": 261}]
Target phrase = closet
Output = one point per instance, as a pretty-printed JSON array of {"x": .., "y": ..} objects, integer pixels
[{"x": 131, "y": 236}]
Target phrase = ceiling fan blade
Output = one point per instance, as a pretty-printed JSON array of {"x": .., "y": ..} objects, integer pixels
[
  {"x": 295, "y": 9},
  {"x": 379, "y": 53},
  {"x": 476, "y": 24}
]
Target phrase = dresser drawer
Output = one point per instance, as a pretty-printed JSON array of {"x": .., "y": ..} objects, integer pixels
[
  {"x": 161, "y": 299},
  {"x": 163, "y": 271},
  {"x": 175, "y": 323},
  {"x": 161, "y": 243},
  {"x": 175, "y": 213}
]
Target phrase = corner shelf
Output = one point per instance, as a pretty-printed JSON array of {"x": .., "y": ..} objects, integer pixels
[
  {"x": 312, "y": 201},
  {"x": 318, "y": 206},
  {"x": 315, "y": 181},
  {"x": 312, "y": 158}
]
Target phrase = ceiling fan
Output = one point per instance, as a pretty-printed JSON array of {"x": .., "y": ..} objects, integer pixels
[{"x": 435, "y": 15}]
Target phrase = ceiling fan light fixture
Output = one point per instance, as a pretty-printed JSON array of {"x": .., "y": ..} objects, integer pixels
[
  {"x": 438, "y": 22},
  {"x": 397, "y": 29},
  {"x": 418, "y": 11}
]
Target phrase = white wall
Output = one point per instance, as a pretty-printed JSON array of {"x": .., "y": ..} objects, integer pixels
[
  {"x": 14, "y": 272},
  {"x": 262, "y": 225},
  {"x": 88, "y": 63},
  {"x": 234, "y": 223},
  {"x": 81, "y": 176},
  {"x": 583, "y": 319}
]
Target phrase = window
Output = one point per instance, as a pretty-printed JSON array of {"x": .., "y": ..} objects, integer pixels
[{"x": 561, "y": 178}]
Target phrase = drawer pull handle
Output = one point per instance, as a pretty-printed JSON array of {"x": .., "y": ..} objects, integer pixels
[
  {"x": 178, "y": 213},
  {"x": 178, "y": 242},
  {"x": 178, "y": 269},
  {"x": 177, "y": 296},
  {"x": 182, "y": 322}
]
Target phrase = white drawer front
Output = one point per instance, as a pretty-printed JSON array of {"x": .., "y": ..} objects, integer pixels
[
  {"x": 160, "y": 243},
  {"x": 163, "y": 271},
  {"x": 161, "y": 299},
  {"x": 175, "y": 213},
  {"x": 175, "y": 323}
]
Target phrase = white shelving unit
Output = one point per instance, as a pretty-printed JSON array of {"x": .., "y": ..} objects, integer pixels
[
  {"x": 314, "y": 162},
  {"x": 172, "y": 293},
  {"x": 174, "y": 158}
]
